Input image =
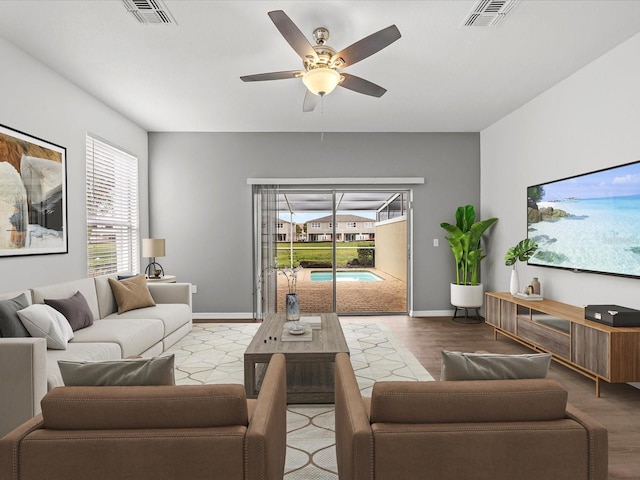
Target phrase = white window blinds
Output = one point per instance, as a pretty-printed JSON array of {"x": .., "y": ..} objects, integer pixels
[{"x": 112, "y": 210}]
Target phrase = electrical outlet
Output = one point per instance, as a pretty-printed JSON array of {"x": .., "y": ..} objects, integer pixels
[
  {"x": 436, "y": 242},
  {"x": 194, "y": 288}
]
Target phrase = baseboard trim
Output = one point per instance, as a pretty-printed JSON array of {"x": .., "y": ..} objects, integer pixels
[
  {"x": 248, "y": 316},
  {"x": 431, "y": 313}
]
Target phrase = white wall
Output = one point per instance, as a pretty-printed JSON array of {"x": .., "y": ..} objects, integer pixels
[
  {"x": 201, "y": 203},
  {"x": 37, "y": 101},
  {"x": 589, "y": 121}
]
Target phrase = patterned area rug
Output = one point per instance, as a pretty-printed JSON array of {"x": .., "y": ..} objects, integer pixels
[{"x": 213, "y": 353}]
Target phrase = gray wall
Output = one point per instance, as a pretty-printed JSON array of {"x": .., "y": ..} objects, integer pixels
[
  {"x": 587, "y": 122},
  {"x": 37, "y": 101},
  {"x": 198, "y": 184}
]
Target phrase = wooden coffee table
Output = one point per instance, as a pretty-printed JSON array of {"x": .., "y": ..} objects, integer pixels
[{"x": 310, "y": 376}]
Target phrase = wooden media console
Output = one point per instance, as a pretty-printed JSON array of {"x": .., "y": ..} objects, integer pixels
[{"x": 592, "y": 349}]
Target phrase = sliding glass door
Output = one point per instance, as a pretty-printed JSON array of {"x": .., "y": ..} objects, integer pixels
[
  {"x": 371, "y": 252},
  {"x": 265, "y": 222},
  {"x": 353, "y": 245}
]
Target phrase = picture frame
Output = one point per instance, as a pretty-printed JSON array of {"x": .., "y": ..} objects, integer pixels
[{"x": 33, "y": 195}]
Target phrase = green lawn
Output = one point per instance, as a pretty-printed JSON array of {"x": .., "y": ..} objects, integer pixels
[{"x": 322, "y": 252}]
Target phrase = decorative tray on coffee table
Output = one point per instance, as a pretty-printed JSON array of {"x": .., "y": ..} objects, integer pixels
[{"x": 292, "y": 334}]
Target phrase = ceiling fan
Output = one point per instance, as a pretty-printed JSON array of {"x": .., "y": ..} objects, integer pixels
[{"x": 321, "y": 62}]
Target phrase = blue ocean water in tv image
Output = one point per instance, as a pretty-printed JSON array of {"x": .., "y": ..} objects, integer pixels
[{"x": 591, "y": 222}]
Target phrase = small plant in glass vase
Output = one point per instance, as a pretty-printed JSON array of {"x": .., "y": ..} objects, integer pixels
[{"x": 292, "y": 303}]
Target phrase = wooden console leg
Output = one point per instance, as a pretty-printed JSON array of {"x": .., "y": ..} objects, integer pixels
[{"x": 598, "y": 387}]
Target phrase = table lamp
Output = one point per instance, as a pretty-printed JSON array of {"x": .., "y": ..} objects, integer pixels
[{"x": 152, "y": 248}]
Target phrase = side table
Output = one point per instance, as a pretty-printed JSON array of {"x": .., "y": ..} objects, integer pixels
[{"x": 163, "y": 279}]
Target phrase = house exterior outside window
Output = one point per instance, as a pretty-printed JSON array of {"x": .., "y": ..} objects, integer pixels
[
  {"x": 286, "y": 231},
  {"x": 360, "y": 228}
]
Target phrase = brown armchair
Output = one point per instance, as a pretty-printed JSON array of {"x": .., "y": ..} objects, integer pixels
[
  {"x": 163, "y": 432},
  {"x": 480, "y": 430}
]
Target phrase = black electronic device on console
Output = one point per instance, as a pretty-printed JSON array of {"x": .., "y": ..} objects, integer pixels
[{"x": 613, "y": 315}]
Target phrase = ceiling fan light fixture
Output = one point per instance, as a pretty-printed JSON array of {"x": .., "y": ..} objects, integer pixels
[{"x": 321, "y": 81}]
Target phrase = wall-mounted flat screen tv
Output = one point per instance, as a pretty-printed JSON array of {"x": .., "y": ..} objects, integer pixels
[{"x": 590, "y": 222}]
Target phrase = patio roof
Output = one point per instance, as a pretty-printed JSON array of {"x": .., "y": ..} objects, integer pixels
[{"x": 323, "y": 202}]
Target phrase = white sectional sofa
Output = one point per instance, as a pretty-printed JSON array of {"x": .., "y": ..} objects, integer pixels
[{"x": 28, "y": 369}]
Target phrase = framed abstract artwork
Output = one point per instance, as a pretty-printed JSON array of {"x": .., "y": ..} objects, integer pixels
[{"x": 33, "y": 195}]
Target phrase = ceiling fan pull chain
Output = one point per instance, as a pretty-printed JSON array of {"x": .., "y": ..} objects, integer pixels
[{"x": 322, "y": 117}]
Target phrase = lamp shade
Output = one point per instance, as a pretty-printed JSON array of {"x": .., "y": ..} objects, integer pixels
[
  {"x": 152, "y": 247},
  {"x": 321, "y": 81}
]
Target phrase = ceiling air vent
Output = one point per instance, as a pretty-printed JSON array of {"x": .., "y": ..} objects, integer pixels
[
  {"x": 488, "y": 13},
  {"x": 149, "y": 12}
]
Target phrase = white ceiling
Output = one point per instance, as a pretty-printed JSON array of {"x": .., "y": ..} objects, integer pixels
[{"x": 439, "y": 77}]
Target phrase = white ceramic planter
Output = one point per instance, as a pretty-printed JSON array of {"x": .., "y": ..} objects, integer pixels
[
  {"x": 514, "y": 284},
  {"x": 467, "y": 296}
]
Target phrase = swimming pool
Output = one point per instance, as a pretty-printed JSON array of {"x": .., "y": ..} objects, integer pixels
[{"x": 355, "y": 276}]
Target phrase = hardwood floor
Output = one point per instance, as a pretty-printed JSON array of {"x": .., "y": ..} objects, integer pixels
[{"x": 618, "y": 407}]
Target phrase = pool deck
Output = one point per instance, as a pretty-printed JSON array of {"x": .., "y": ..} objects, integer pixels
[{"x": 388, "y": 296}]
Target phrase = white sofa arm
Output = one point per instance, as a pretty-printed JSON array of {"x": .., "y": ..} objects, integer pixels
[
  {"x": 171, "y": 292},
  {"x": 23, "y": 376}
]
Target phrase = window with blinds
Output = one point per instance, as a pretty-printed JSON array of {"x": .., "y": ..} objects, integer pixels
[{"x": 112, "y": 210}]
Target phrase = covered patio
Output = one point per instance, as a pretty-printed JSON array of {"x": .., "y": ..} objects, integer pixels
[{"x": 387, "y": 296}]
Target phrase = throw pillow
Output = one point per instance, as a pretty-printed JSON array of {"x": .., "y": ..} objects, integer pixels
[
  {"x": 127, "y": 372},
  {"x": 46, "y": 322},
  {"x": 131, "y": 293},
  {"x": 10, "y": 324},
  {"x": 75, "y": 309},
  {"x": 487, "y": 366}
]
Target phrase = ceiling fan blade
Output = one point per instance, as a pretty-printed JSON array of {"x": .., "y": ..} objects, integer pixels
[
  {"x": 261, "y": 77},
  {"x": 310, "y": 101},
  {"x": 368, "y": 46},
  {"x": 293, "y": 35},
  {"x": 361, "y": 85}
]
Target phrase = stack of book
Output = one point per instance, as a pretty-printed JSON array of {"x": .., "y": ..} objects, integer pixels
[
  {"x": 532, "y": 297},
  {"x": 314, "y": 322}
]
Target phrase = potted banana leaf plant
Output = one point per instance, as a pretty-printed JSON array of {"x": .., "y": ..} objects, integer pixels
[{"x": 464, "y": 240}]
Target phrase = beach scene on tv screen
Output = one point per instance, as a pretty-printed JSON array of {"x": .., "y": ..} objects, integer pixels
[{"x": 588, "y": 222}]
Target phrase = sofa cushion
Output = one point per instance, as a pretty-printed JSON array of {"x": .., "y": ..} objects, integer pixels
[
  {"x": 134, "y": 336},
  {"x": 468, "y": 401},
  {"x": 489, "y": 366},
  {"x": 106, "y": 301},
  {"x": 78, "y": 352},
  {"x": 172, "y": 315},
  {"x": 86, "y": 286},
  {"x": 131, "y": 293},
  {"x": 17, "y": 293},
  {"x": 75, "y": 309},
  {"x": 46, "y": 322},
  {"x": 10, "y": 323},
  {"x": 125, "y": 372}
]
